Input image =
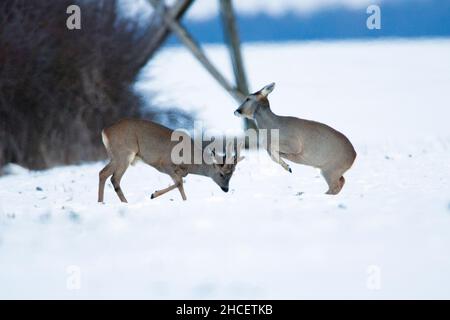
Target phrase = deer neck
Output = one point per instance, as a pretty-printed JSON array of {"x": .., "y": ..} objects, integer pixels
[
  {"x": 200, "y": 169},
  {"x": 264, "y": 117}
]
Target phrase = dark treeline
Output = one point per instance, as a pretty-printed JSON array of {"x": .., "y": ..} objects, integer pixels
[{"x": 60, "y": 87}]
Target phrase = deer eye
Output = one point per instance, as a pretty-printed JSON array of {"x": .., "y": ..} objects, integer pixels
[{"x": 222, "y": 175}]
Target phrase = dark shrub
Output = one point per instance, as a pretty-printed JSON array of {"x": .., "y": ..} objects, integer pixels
[{"x": 60, "y": 87}]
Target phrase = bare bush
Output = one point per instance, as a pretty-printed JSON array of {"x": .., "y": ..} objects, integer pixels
[{"x": 60, "y": 87}]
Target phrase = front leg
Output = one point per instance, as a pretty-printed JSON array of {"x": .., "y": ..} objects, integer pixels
[
  {"x": 163, "y": 191},
  {"x": 179, "y": 173},
  {"x": 181, "y": 189},
  {"x": 275, "y": 155},
  {"x": 178, "y": 184}
]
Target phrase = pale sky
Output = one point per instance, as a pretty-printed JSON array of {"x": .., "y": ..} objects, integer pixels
[{"x": 204, "y": 9}]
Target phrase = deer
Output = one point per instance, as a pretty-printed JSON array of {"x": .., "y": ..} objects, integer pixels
[
  {"x": 131, "y": 140},
  {"x": 301, "y": 141}
]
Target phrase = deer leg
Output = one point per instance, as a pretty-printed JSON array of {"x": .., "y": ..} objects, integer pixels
[
  {"x": 107, "y": 171},
  {"x": 115, "y": 180},
  {"x": 335, "y": 181},
  {"x": 181, "y": 189},
  {"x": 163, "y": 191},
  {"x": 276, "y": 157}
]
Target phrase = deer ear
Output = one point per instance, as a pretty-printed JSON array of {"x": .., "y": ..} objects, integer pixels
[
  {"x": 239, "y": 159},
  {"x": 267, "y": 89},
  {"x": 216, "y": 158}
]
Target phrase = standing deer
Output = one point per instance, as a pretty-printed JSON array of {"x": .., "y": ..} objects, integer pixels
[
  {"x": 130, "y": 140},
  {"x": 302, "y": 141}
]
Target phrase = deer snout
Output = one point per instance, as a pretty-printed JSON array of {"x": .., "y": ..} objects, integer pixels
[
  {"x": 237, "y": 113},
  {"x": 224, "y": 189}
]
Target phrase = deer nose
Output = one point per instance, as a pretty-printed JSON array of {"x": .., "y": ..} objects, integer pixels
[
  {"x": 224, "y": 189},
  {"x": 237, "y": 113}
]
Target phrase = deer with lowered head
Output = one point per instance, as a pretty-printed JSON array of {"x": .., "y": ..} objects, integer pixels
[
  {"x": 130, "y": 140},
  {"x": 301, "y": 141}
]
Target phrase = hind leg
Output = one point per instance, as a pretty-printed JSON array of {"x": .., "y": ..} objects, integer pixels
[
  {"x": 115, "y": 180},
  {"x": 334, "y": 179},
  {"x": 106, "y": 172}
]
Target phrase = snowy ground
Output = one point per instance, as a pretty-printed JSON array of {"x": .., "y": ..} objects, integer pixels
[{"x": 274, "y": 235}]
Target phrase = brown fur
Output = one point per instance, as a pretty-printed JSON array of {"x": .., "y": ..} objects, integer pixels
[
  {"x": 132, "y": 139},
  {"x": 302, "y": 141}
]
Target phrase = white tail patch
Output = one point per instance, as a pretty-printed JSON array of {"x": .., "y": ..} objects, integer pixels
[
  {"x": 135, "y": 160},
  {"x": 105, "y": 140}
]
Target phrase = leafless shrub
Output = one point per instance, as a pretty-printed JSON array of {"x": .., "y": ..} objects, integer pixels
[{"x": 60, "y": 87}]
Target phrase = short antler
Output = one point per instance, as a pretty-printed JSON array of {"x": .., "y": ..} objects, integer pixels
[
  {"x": 229, "y": 152},
  {"x": 234, "y": 157},
  {"x": 238, "y": 152}
]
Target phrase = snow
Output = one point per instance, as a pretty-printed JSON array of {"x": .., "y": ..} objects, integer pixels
[{"x": 275, "y": 234}]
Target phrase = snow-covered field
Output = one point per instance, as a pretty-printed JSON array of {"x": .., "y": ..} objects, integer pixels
[{"x": 275, "y": 234}]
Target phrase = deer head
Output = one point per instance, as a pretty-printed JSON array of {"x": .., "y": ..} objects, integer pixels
[
  {"x": 224, "y": 165},
  {"x": 254, "y": 101}
]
